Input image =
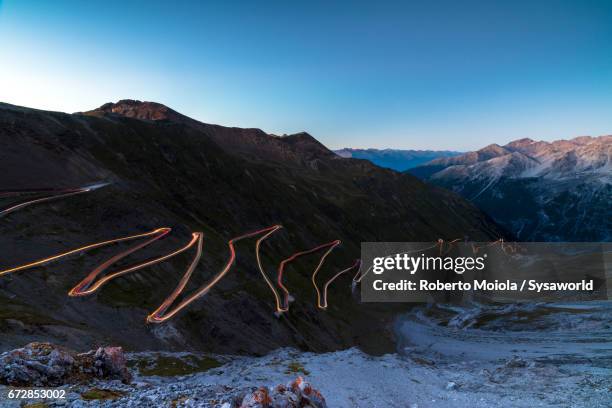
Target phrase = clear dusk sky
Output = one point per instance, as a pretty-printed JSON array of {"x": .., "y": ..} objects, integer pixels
[{"x": 413, "y": 75}]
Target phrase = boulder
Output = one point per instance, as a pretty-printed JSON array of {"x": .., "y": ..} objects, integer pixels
[
  {"x": 259, "y": 398},
  {"x": 48, "y": 365},
  {"x": 296, "y": 394},
  {"x": 110, "y": 362}
]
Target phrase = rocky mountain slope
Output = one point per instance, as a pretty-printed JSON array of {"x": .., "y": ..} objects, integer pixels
[
  {"x": 395, "y": 159},
  {"x": 540, "y": 191},
  {"x": 167, "y": 170}
]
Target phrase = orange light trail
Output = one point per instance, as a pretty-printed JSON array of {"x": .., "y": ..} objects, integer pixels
[
  {"x": 160, "y": 315},
  {"x": 53, "y": 258},
  {"x": 323, "y": 305},
  {"x": 476, "y": 248},
  {"x": 330, "y": 247},
  {"x": 58, "y": 195},
  {"x": 18, "y": 192},
  {"x": 277, "y": 298},
  {"x": 87, "y": 287},
  {"x": 157, "y": 315},
  {"x": 450, "y": 245},
  {"x": 506, "y": 247}
]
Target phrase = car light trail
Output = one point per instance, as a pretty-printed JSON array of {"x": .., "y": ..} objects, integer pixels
[
  {"x": 271, "y": 231},
  {"x": 161, "y": 314},
  {"x": 19, "y": 192},
  {"x": 476, "y": 248},
  {"x": 90, "y": 285},
  {"x": 40, "y": 200},
  {"x": 162, "y": 231},
  {"x": 323, "y": 305},
  {"x": 330, "y": 247},
  {"x": 158, "y": 315},
  {"x": 449, "y": 247},
  {"x": 54, "y": 194},
  {"x": 87, "y": 287},
  {"x": 506, "y": 247}
]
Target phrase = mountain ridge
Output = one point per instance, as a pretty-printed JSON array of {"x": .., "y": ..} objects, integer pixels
[
  {"x": 192, "y": 176},
  {"x": 560, "y": 190},
  {"x": 250, "y": 143}
]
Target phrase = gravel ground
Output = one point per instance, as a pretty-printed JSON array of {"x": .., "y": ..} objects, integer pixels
[
  {"x": 557, "y": 359},
  {"x": 351, "y": 378}
]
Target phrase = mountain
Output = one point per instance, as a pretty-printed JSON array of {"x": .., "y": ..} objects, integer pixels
[
  {"x": 399, "y": 160},
  {"x": 540, "y": 191},
  {"x": 164, "y": 169}
]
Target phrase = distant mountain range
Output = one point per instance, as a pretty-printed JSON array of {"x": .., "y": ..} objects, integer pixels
[
  {"x": 399, "y": 160},
  {"x": 540, "y": 191}
]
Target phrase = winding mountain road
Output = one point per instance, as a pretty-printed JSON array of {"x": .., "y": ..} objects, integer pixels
[{"x": 93, "y": 282}]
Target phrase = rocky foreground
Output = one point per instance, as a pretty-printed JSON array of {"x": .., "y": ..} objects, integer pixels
[
  {"x": 347, "y": 379},
  {"x": 47, "y": 365},
  {"x": 101, "y": 378}
]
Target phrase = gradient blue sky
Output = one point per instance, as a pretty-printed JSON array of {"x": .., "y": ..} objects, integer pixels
[{"x": 434, "y": 74}]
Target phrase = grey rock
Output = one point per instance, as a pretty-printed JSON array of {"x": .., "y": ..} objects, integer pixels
[
  {"x": 451, "y": 386},
  {"x": 47, "y": 365},
  {"x": 296, "y": 394},
  {"x": 516, "y": 362}
]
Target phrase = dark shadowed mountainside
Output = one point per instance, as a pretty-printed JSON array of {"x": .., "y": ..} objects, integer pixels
[{"x": 167, "y": 170}]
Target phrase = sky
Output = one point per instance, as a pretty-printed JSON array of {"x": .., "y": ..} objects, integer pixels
[{"x": 409, "y": 75}]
